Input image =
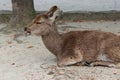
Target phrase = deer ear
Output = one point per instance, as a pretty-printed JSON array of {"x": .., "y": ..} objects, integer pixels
[{"x": 51, "y": 11}]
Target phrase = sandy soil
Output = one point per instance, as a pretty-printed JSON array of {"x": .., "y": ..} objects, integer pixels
[{"x": 30, "y": 60}]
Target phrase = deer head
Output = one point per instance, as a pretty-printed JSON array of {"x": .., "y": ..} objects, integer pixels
[{"x": 42, "y": 23}]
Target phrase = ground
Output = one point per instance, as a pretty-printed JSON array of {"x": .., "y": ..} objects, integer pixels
[{"x": 28, "y": 59}]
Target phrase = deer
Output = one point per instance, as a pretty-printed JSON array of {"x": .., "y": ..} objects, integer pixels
[{"x": 92, "y": 47}]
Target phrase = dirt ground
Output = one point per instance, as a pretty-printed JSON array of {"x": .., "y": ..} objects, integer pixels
[{"x": 28, "y": 59}]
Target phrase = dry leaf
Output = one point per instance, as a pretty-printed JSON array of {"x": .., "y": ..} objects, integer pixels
[
  {"x": 61, "y": 72},
  {"x": 50, "y": 73},
  {"x": 9, "y": 42},
  {"x": 13, "y": 64},
  {"x": 30, "y": 47}
]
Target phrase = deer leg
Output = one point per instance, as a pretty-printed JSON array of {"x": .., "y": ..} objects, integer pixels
[{"x": 106, "y": 64}]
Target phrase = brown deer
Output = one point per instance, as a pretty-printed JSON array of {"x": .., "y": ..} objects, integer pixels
[{"x": 94, "y": 47}]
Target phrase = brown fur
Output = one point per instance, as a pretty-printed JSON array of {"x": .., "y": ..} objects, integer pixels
[
  {"x": 90, "y": 44},
  {"x": 93, "y": 46},
  {"x": 42, "y": 26}
]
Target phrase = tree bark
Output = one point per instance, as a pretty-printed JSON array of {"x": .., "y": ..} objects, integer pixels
[{"x": 23, "y": 12}]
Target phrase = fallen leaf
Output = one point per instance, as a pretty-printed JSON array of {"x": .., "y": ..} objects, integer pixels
[
  {"x": 61, "y": 72},
  {"x": 9, "y": 42},
  {"x": 30, "y": 47},
  {"x": 13, "y": 64},
  {"x": 114, "y": 73},
  {"x": 50, "y": 73}
]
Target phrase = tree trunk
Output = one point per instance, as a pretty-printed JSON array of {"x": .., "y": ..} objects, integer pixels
[{"x": 23, "y": 12}]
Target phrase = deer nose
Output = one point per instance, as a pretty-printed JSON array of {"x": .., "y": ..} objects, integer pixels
[{"x": 27, "y": 31}]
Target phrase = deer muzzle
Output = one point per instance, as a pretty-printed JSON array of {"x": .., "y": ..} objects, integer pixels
[{"x": 27, "y": 31}]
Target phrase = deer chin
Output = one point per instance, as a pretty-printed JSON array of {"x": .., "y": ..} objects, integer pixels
[
  {"x": 27, "y": 33},
  {"x": 42, "y": 33}
]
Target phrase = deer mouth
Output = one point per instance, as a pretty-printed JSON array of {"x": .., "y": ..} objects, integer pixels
[{"x": 27, "y": 32}]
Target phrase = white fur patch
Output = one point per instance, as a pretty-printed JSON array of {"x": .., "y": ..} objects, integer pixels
[
  {"x": 58, "y": 12},
  {"x": 103, "y": 57},
  {"x": 112, "y": 65}
]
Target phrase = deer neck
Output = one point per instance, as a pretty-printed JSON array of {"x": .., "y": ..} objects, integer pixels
[{"x": 53, "y": 41}]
